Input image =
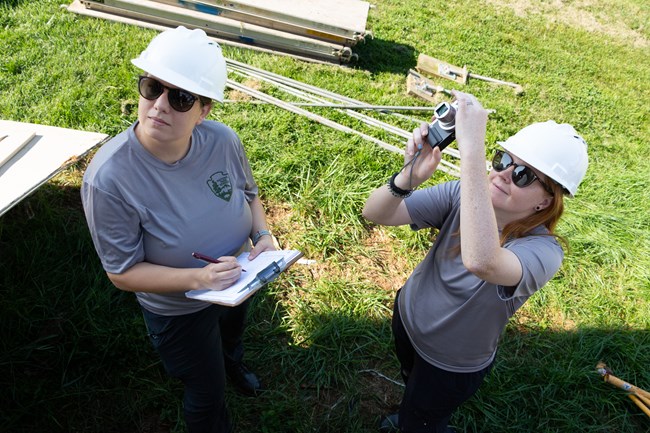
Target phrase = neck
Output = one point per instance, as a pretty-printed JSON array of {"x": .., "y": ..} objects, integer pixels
[
  {"x": 166, "y": 151},
  {"x": 503, "y": 218}
]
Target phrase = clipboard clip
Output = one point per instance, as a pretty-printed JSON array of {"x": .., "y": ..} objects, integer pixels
[{"x": 265, "y": 276}]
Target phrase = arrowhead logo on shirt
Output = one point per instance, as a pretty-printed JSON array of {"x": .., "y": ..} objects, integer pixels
[{"x": 220, "y": 185}]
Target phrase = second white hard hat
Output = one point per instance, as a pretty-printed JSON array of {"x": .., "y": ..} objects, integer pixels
[
  {"x": 554, "y": 149},
  {"x": 187, "y": 59}
]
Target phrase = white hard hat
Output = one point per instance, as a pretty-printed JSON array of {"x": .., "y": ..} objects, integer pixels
[
  {"x": 187, "y": 59},
  {"x": 554, "y": 149}
]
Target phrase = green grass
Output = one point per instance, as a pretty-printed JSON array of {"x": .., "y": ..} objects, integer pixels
[{"x": 74, "y": 356}]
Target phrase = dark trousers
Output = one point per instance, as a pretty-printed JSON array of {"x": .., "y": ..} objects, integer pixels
[
  {"x": 432, "y": 394},
  {"x": 197, "y": 348}
]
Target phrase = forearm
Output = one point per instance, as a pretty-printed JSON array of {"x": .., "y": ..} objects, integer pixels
[
  {"x": 478, "y": 226},
  {"x": 481, "y": 249},
  {"x": 383, "y": 207},
  {"x": 148, "y": 277},
  {"x": 259, "y": 216}
]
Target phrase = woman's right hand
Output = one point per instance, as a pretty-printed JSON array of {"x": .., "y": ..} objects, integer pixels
[
  {"x": 220, "y": 276},
  {"x": 427, "y": 160}
]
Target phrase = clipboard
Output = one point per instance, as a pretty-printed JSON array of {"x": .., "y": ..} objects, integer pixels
[{"x": 265, "y": 268}]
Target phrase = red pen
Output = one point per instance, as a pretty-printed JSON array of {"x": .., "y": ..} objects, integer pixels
[{"x": 209, "y": 259}]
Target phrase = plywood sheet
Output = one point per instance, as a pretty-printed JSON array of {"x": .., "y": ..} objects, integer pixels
[
  {"x": 48, "y": 152},
  {"x": 11, "y": 145},
  {"x": 307, "y": 25},
  {"x": 142, "y": 12},
  {"x": 345, "y": 14}
]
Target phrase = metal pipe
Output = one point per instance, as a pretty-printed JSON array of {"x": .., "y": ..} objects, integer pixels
[
  {"x": 275, "y": 79},
  {"x": 309, "y": 114},
  {"x": 301, "y": 94},
  {"x": 348, "y": 106}
]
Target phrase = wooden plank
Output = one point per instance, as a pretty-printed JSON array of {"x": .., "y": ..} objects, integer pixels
[
  {"x": 77, "y": 7},
  {"x": 307, "y": 26},
  {"x": 11, "y": 145},
  {"x": 434, "y": 67},
  {"x": 348, "y": 16},
  {"x": 222, "y": 27},
  {"x": 50, "y": 151},
  {"x": 422, "y": 87}
]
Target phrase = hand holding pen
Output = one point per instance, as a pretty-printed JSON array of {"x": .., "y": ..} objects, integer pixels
[
  {"x": 208, "y": 259},
  {"x": 220, "y": 273}
]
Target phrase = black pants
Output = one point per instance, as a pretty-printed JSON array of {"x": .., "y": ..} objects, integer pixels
[
  {"x": 432, "y": 394},
  {"x": 197, "y": 348}
]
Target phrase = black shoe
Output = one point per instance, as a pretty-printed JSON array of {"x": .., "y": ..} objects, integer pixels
[
  {"x": 244, "y": 380},
  {"x": 389, "y": 424}
]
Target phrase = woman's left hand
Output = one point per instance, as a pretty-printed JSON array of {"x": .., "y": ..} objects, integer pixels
[
  {"x": 471, "y": 122},
  {"x": 265, "y": 243}
]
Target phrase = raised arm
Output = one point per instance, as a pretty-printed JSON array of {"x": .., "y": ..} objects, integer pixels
[
  {"x": 385, "y": 206},
  {"x": 481, "y": 250}
]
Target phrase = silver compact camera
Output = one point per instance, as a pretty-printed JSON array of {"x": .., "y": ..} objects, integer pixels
[{"x": 442, "y": 131}]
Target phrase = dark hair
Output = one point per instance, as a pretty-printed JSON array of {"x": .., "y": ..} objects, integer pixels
[{"x": 204, "y": 100}]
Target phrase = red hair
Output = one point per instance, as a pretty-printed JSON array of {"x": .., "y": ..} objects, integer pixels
[{"x": 548, "y": 217}]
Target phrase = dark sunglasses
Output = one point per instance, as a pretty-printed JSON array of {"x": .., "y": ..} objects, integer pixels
[
  {"x": 522, "y": 176},
  {"x": 179, "y": 99}
]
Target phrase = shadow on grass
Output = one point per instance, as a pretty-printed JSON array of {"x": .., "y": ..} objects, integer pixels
[
  {"x": 75, "y": 355},
  {"x": 379, "y": 55},
  {"x": 11, "y": 3}
]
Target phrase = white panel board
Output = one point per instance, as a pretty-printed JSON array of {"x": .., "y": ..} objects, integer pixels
[
  {"x": 346, "y": 14},
  {"x": 50, "y": 151},
  {"x": 11, "y": 145}
]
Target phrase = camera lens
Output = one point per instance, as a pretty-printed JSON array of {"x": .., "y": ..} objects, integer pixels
[
  {"x": 446, "y": 114},
  {"x": 442, "y": 110}
]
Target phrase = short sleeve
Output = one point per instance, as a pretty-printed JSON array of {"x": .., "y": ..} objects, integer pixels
[
  {"x": 115, "y": 229},
  {"x": 430, "y": 207},
  {"x": 250, "y": 186},
  {"x": 540, "y": 257}
]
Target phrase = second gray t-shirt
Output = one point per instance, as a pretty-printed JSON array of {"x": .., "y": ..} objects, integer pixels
[{"x": 453, "y": 318}]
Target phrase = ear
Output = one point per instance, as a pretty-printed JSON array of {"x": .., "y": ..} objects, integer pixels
[
  {"x": 205, "y": 110},
  {"x": 544, "y": 204}
]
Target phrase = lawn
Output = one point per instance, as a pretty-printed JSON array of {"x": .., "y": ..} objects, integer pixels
[{"x": 74, "y": 356}]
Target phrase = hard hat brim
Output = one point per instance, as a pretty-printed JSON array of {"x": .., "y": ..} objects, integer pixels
[{"x": 175, "y": 79}]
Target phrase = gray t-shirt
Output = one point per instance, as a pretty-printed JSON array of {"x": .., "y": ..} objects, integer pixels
[
  {"x": 453, "y": 318},
  {"x": 139, "y": 208}
]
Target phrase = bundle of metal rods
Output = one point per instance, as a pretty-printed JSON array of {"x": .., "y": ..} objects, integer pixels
[{"x": 315, "y": 96}]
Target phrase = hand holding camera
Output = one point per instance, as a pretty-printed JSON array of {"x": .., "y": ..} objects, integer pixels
[
  {"x": 466, "y": 113},
  {"x": 442, "y": 131},
  {"x": 423, "y": 160}
]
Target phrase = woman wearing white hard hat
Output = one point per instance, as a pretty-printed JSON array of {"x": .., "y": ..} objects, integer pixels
[
  {"x": 170, "y": 185},
  {"x": 496, "y": 246}
]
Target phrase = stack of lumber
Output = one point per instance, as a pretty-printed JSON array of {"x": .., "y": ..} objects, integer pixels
[{"x": 324, "y": 30}]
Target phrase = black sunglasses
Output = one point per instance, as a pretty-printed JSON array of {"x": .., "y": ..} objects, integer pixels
[
  {"x": 522, "y": 176},
  {"x": 179, "y": 99}
]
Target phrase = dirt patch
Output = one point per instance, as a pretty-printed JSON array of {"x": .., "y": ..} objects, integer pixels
[
  {"x": 556, "y": 320},
  {"x": 384, "y": 268},
  {"x": 591, "y": 15},
  {"x": 378, "y": 263},
  {"x": 236, "y": 95}
]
